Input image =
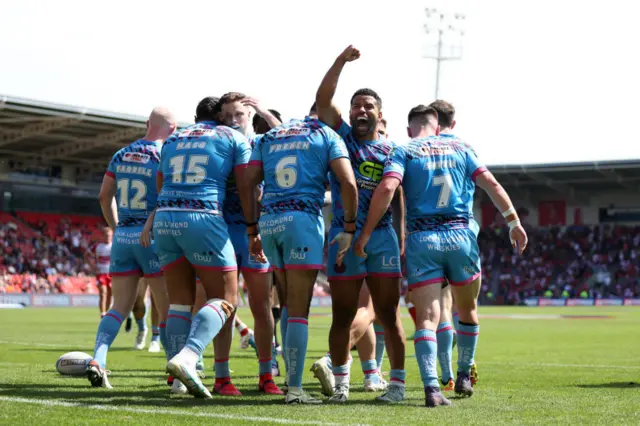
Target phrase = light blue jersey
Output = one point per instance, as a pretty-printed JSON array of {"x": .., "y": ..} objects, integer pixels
[
  {"x": 295, "y": 157},
  {"x": 438, "y": 176},
  {"x": 196, "y": 164},
  {"x": 134, "y": 169}
]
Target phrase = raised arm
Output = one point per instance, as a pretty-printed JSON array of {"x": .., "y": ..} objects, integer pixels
[
  {"x": 328, "y": 112},
  {"x": 271, "y": 119},
  {"x": 503, "y": 203}
]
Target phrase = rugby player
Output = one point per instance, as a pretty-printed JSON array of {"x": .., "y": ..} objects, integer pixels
[
  {"x": 293, "y": 160},
  {"x": 448, "y": 325},
  {"x": 191, "y": 236},
  {"x": 237, "y": 112},
  {"x": 102, "y": 253},
  {"x": 440, "y": 174},
  {"x": 130, "y": 180},
  {"x": 367, "y": 153}
]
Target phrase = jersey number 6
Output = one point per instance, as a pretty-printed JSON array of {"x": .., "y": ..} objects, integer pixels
[{"x": 286, "y": 175}]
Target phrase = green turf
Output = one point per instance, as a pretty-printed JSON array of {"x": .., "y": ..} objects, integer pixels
[{"x": 552, "y": 371}]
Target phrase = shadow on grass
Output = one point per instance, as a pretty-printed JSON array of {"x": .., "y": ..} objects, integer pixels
[
  {"x": 159, "y": 397},
  {"x": 613, "y": 385}
]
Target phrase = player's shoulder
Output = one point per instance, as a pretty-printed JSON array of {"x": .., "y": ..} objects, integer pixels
[
  {"x": 456, "y": 143},
  {"x": 138, "y": 152}
]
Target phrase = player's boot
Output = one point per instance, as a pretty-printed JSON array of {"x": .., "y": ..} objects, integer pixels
[
  {"x": 98, "y": 375},
  {"x": 178, "y": 388},
  {"x": 323, "y": 373},
  {"x": 187, "y": 374},
  {"x": 377, "y": 384},
  {"x": 154, "y": 346},
  {"x": 245, "y": 341},
  {"x": 141, "y": 340},
  {"x": 299, "y": 396},
  {"x": 340, "y": 394},
  {"x": 170, "y": 380},
  {"x": 394, "y": 394},
  {"x": 474, "y": 374},
  {"x": 434, "y": 398},
  {"x": 268, "y": 386},
  {"x": 224, "y": 387},
  {"x": 449, "y": 386},
  {"x": 463, "y": 385},
  {"x": 285, "y": 387}
]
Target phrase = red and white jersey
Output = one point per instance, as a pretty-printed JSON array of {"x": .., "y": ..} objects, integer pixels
[{"x": 103, "y": 258}]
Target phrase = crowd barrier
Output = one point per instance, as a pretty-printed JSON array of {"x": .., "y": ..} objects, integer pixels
[
  {"x": 90, "y": 300},
  {"x": 535, "y": 301}
]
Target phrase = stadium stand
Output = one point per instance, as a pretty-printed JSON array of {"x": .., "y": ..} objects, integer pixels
[{"x": 582, "y": 218}]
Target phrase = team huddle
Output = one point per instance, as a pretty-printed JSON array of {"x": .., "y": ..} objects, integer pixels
[{"x": 197, "y": 206}]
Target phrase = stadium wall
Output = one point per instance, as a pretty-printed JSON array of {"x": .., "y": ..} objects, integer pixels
[{"x": 91, "y": 300}]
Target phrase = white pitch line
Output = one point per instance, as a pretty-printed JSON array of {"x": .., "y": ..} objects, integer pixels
[
  {"x": 50, "y": 403},
  {"x": 551, "y": 365}
]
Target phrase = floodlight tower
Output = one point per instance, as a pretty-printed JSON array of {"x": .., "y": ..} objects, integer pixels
[{"x": 449, "y": 29}]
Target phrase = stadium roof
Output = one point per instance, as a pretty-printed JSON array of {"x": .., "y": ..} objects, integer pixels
[
  {"x": 42, "y": 133},
  {"x": 45, "y": 133},
  {"x": 576, "y": 181}
]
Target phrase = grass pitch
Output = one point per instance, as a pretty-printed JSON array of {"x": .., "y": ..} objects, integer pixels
[{"x": 537, "y": 366}]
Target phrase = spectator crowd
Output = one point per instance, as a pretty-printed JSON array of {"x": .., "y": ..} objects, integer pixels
[{"x": 53, "y": 254}]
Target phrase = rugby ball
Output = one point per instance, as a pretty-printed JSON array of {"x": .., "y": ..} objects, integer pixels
[{"x": 73, "y": 363}]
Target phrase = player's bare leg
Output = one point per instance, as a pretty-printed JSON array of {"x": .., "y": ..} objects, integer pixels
[
  {"x": 444, "y": 335},
  {"x": 426, "y": 299},
  {"x": 299, "y": 284},
  {"x": 140, "y": 314},
  {"x": 104, "y": 300},
  {"x": 125, "y": 289},
  {"x": 221, "y": 288},
  {"x": 345, "y": 295},
  {"x": 385, "y": 293},
  {"x": 259, "y": 287},
  {"x": 154, "y": 345},
  {"x": 366, "y": 343},
  {"x": 160, "y": 299},
  {"x": 466, "y": 297}
]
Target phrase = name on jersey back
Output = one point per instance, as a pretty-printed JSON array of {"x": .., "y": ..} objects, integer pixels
[{"x": 138, "y": 170}]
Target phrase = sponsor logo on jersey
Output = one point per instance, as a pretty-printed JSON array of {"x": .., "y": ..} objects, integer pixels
[
  {"x": 293, "y": 131},
  {"x": 371, "y": 170},
  {"x": 136, "y": 157},
  {"x": 196, "y": 133}
]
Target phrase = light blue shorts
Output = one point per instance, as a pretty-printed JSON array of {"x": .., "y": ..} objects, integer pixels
[
  {"x": 200, "y": 238},
  {"x": 293, "y": 240},
  {"x": 383, "y": 257},
  {"x": 128, "y": 257},
  {"x": 433, "y": 256}
]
